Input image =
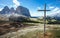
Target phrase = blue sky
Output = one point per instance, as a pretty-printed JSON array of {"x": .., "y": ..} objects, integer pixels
[{"x": 33, "y": 5}]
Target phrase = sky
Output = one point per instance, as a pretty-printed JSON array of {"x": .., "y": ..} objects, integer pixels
[{"x": 33, "y": 6}]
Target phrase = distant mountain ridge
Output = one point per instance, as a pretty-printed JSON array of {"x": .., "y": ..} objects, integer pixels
[
  {"x": 20, "y": 10},
  {"x": 55, "y": 16},
  {"x": 5, "y": 10}
]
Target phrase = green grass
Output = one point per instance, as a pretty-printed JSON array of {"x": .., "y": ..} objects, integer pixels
[
  {"x": 32, "y": 34},
  {"x": 56, "y": 33}
]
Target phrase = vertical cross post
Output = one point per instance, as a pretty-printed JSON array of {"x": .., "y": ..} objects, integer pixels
[{"x": 44, "y": 17}]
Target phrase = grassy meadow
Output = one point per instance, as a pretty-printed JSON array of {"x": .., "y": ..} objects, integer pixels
[{"x": 30, "y": 29}]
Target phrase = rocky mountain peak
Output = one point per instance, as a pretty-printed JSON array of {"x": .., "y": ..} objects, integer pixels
[
  {"x": 23, "y": 10},
  {"x": 5, "y": 10},
  {"x": 20, "y": 10},
  {"x": 12, "y": 10}
]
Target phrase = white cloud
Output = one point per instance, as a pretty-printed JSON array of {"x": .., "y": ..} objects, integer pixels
[
  {"x": 38, "y": 8},
  {"x": 58, "y": 11},
  {"x": 51, "y": 7},
  {"x": 36, "y": 13},
  {"x": 16, "y": 2},
  {"x": 1, "y": 9},
  {"x": 54, "y": 11}
]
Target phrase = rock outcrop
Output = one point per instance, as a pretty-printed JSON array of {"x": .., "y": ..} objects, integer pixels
[
  {"x": 20, "y": 10},
  {"x": 5, "y": 10},
  {"x": 23, "y": 11}
]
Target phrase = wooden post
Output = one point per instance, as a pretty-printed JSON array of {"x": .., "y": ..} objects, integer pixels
[{"x": 44, "y": 17}]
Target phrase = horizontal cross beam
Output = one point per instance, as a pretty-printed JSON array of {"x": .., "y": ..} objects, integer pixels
[{"x": 43, "y": 10}]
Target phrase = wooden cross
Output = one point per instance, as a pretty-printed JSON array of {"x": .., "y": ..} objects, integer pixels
[{"x": 44, "y": 17}]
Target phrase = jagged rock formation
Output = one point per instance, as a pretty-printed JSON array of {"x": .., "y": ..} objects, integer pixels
[
  {"x": 19, "y": 10},
  {"x": 6, "y": 10},
  {"x": 23, "y": 11},
  {"x": 55, "y": 16},
  {"x": 20, "y": 14},
  {"x": 12, "y": 10}
]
